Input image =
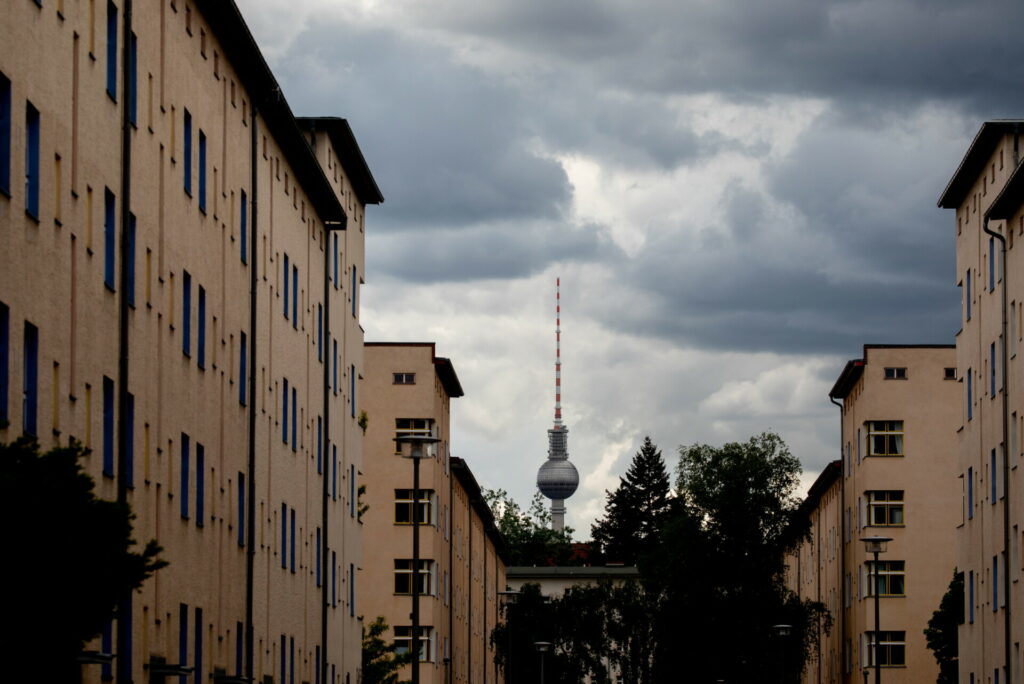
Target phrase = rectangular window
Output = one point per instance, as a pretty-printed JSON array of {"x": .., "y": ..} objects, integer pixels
[
  {"x": 200, "y": 484},
  {"x": 991, "y": 264},
  {"x": 885, "y": 507},
  {"x": 993, "y": 479},
  {"x": 351, "y": 590},
  {"x": 5, "y": 142},
  {"x": 404, "y": 506},
  {"x": 5, "y": 360},
  {"x": 109, "y": 239},
  {"x": 891, "y": 649},
  {"x": 108, "y": 427},
  {"x": 202, "y": 171},
  {"x": 284, "y": 659},
  {"x": 334, "y": 579},
  {"x": 995, "y": 583},
  {"x": 239, "y": 647},
  {"x": 970, "y": 394},
  {"x": 295, "y": 297},
  {"x": 885, "y": 438},
  {"x": 404, "y": 379},
  {"x": 198, "y": 654},
  {"x": 967, "y": 296},
  {"x": 183, "y": 494},
  {"x": 970, "y": 493},
  {"x": 243, "y": 371},
  {"x": 130, "y": 441},
  {"x": 403, "y": 641},
  {"x": 186, "y": 313},
  {"x": 187, "y": 153},
  {"x": 285, "y": 275},
  {"x": 320, "y": 333},
  {"x": 243, "y": 228},
  {"x": 130, "y": 265},
  {"x": 284, "y": 411},
  {"x": 888, "y": 578},
  {"x": 201, "y": 329},
  {"x": 284, "y": 536},
  {"x": 970, "y": 597},
  {"x": 31, "y": 161},
  {"x": 291, "y": 660},
  {"x": 182, "y": 638},
  {"x": 404, "y": 579},
  {"x": 241, "y": 509},
  {"x": 318, "y": 557},
  {"x": 292, "y": 542},
  {"x": 133, "y": 83},
  {"x": 295, "y": 422},
  {"x": 949, "y": 373},
  {"x": 353, "y": 496},
  {"x": 30, "y": 380},
  {"x": 896, "y": 373},
  {"x": 335, "y": 261},
  {"x": 112, "y": 51},
  {"x": 319, "y": 445},
  {"x": 352, "y": 390},
  {"x": 334, "y": 384},
  {"x": 107, "y": 646},
  {"x": 355, "y": 290},
  {"x": 334, "y": 472}
]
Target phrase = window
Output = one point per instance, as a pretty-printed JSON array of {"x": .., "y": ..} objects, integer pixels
[
  {"x": 31, "y": 161},
  {"x": 30, "y": 379},
  {"x": 5, "y": 138},
  {"x": 200, "y": 484},
  {"x": 353, "y": 496},
  {"x": 888, "y": 579},
  {"x": 403, "y": 642},
  {"x": 336, "y": 284},
  {"x": 295, "y": 422},
  {"x": 896, "y": 373},
  {"x": 320, "y": 333},
  {"x": 284, "y": 536},
  {"x": 243, "y": 377},
  {"x": 202, "y": 171},
  {"x": 108, "y": 427},
  {"x": 243, "y": 228},
  {"x": 197, "y": 655},
  {"x": 403, "y": 576},
  {"x": 949, "y": 374},
  {"x": 112, "y": 51},
  {"x": 351, "y": 589},
  {"x": 241, "y": 508},
  {"x": 405, "y": 379},
  {"x": 355, "y": 291},
  {"x": 130, "y": 265},
  {"x": 291, "y": 548},
  {"x": 109, "y": 239},
  {"x": 187, "y": 153},
  {"x": 352, "y": 390},
  {"x": 967, "y": 296},
  {"x": 334, "y": 384},
  {"x": 133, "y": 73},
  {"x": 411, "y": 427},
  {"x": 201, "y": 329},
  {"x": 891, "y": 649},
  {"x": 129, "y": 455},
  {"x": 334, "y": 579},
  {"x": 284, "y": 411},
  {"x": 970, "y": 493},
  {"x": 993, "y": 479},
  {"x": 183, "y": 494},
  {"x": 970, "y": 597},
  {"x": 183, "y": 634},
  {"x": 295, "y": 297},
  {"x": 970, "y": 394},
  {"x": 5, "y": 359},
  {"x": 318, "y": 556},
  {"x": 885, "y": 507},
  {"x": 334, "y": 472},
  {"x": 991, "y": 264},
  {"x": 404, "y": 507},
  {"x": 285, "y": 274},
  {"x": 186, "y": 314},
  {"x": 885, "y": 438}
]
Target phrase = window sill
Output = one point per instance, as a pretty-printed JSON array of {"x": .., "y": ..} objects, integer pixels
[{"x": 35, "y": 219}]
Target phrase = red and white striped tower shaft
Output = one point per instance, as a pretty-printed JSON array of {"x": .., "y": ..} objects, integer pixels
[{"x": 558, "y": 352}]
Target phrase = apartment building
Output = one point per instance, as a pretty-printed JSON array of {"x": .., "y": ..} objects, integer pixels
[
  {"x": 897, "y": 479},
  {"x": 180, "y": 293},
  {"x": 461, "y": 566},
  {"x": 987, "y": 194}
]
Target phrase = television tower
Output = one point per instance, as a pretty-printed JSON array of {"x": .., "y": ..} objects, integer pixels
[{"x": 557, "y": 479}]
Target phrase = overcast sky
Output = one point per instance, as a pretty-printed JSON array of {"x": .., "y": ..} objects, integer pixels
[{"x": 737, "y": 195}]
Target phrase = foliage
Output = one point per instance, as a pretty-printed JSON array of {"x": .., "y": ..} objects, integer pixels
[
  {"x": 72, "y": 557},
  {"x": 635, "y": 511},
  {"x": 528, "y": 536},
  {"x": 361, "y": 506},
  {"x": 380, "y": 662},
  {"x": 363, "y": 421},
  {"x": 942, "y": 629}
]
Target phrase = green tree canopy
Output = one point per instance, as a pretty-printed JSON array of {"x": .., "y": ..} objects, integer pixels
[
  {"x": 70, "y": 555},
  {"x": 380, "y": 662},
  {"x": 528, "y": 537},
  {"x": 636, "y": 510},
  {"x": 942, "y": 628}
]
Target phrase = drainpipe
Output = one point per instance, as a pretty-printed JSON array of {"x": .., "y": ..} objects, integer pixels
[
  {"x": 124, "y": 604},
  {"x": 1007, "y": 622},
  {"x": 250, "y": 540},
  {"x": 842, "y": 545}
]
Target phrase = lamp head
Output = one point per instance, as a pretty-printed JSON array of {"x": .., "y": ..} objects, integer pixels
[
  {"x": 875, "y": 544},
  {"x": 416, "y": 445}
]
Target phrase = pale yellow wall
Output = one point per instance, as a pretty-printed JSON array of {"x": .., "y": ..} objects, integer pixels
[{"x": 53, "y": 277}]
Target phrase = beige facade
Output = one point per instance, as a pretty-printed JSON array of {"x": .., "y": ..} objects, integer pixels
[
  {"x": 179, "y": 292},
  {"x": 987, "y": 190},
  {"x": 896, "y": 479},
  {"x": 408, "y": 392}
]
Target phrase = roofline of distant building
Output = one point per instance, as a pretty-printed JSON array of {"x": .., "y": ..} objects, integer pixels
[
  {"x": 442, "y": 366},
  {"x": 340, "y": 134},
  {"x": 579, "y": 572},
  {"x": 241, "y": 50},
  {"x": 462, "y": 473},
  {"x": 854, "y": 368},
  {"x": 976, "y": 158},
  {"x": 1010, "y": 198}
]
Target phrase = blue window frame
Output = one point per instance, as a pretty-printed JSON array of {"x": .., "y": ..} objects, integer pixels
[
  {"x": 243, "y": 377},
  {"x": 183, "y": 639},
  {"x": 5, "y": 360},
  {"x": 352, "y": 491},
  {"x": 186, "y": 314},
  {"x": 187, "y": 153},
  {"x": 291, "y": 541},
  {"x": 133, "y": 75},
  {"x": 109, "y": 239},
  {"x": 284, "y": 537},
  {"x": 970, "y": 493},
  {"x": 337, "y": 283},
  {"x": 30, "y": 382},
  {"x": 291, "y": 660},
  {"x": 31, "y": 161},
  {"x": 130, "y": 441},
  {"x": 995, "y": 583},
  {"x": 284, "y": 657},
  {"x": 316, "y": 667},
  {"x": 201, "y": 329},
  {"x": 198, "y": 654},
  {"x": 970, "y": 394},
  {"x": 241, "y": 508},
  {"x": 334, "y": 472},
  {"x": 355, "y": 290},
  {"x": 107, "y": 646},
  {"x": 239, "y": 647},
  {"x": 295, "y": 422},
  {"x": 318, "y": 551},
  {"x": 320, "y": 333},
  {"x": 334, "y": 384},
  {"x": 295, "y": 297},
  {"x": 284, "y": 411},
  {"x": 200, "y": 484},
  {"x": 108, "y": 427},
  {"x": 351, "y": 590},
  {"x": 991, "y": 264},
  {"x": 352, "y": 389},
  {"x": 243, "y": 228},
  {"x": 112, "y": 51},
  {"x": 992, "y": 371},
  {"x": 967, "y": 293},
  {"x": 334, "y": 579},
  {"x": 970, "y": 597},
  {"x": 183, "y": 495},
  {"x": 319, "y": 445},
  {"x": 5, "y": 135},
  {"x": 130, "y": 266},
  {"x": 285, "y": 275},
  {"x": 202, "y": 171},
  {"x": 993, "y": 479}
]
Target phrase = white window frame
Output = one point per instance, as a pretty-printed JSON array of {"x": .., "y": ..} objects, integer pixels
[
  {"x": 888, "y": 429},
  {"x": 889, "y": 505},
  {"x": 887, "y": 569}
]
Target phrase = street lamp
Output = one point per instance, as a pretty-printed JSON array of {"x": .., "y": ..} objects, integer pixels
[
  {"x": 508, "y": 595},
  {"x": 417, "y": 452},
  {"x": 542, "y": 648},
  {"x": 875, "y": 546},
  {"x": 782, "y": 631}
]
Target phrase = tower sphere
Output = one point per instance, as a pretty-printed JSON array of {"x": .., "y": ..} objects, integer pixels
[{"x": 557, "y": 479}]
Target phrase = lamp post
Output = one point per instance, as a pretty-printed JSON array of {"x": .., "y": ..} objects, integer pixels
[
  {"x": 542, "y": 648},
  {"x": 417, "y": 452},
  {"x": 782, "y": 631},
  {"x": 508, "y": 595},
  {"x": 875, "y": 546}
]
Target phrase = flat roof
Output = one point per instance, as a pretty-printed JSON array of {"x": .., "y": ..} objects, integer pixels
[
  {"x": 1010, "y": 198},
  {"x": 344, "y": 141},
  {"x": 854, "y": 368},
  {"x": 241, "y": 50},
  {"x": 442, "y": 366},
  {"x": 974, "y": 161},
  {"x": 462, "y": 473}
]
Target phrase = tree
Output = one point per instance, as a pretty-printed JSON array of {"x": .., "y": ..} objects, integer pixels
[
  {"x": 635, "y": 511},
  {"x": 71, "y": 554},
  {"x": 380, "y": 662},
  {"x": 942, "y": 629},
  {"x": 528, "y": 537}
]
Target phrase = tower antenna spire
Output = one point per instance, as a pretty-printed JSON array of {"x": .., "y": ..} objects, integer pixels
[{"x": 558, "y": 352}]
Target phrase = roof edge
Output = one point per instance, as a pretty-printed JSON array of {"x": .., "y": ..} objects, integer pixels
[
  {"x": 1010, "y": 198},
  {"x": 975, "y": 158},
  {"x": 339, "y": 132},
  {"x": 460, "y": 469}
]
